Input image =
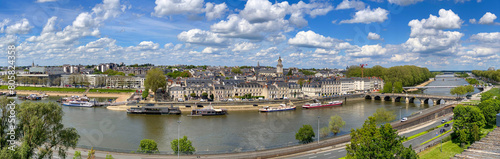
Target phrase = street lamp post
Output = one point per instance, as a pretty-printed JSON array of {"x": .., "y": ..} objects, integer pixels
[
  {"x": 178, "y": 140},
  {"x": 318, "y": 129}
]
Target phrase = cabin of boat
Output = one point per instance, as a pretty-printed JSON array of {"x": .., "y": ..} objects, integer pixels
[
  {"x": 210, "y": 111},
  {"x": 154, "y": 110}
]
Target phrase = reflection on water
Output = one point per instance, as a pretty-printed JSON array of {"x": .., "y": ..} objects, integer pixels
[{"x": 237, "y": 131}]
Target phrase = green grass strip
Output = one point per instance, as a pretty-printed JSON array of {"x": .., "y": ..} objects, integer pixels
[
  {"x": 444, "y": 123},
  {"x": 435, "y": 137}
]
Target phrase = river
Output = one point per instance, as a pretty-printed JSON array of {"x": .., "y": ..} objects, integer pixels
[{"x": 238, "y": 131}]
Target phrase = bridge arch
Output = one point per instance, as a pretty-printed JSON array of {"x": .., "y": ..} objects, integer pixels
[
  {"x": 377, "y": 98},
  {"x": 440, "y": 101},
  {"x": 411, "y": 99},
  {"x": 398, "y": 99},
  {"x": 387, "y": 98},
  {"x": 368, "y": 97}
]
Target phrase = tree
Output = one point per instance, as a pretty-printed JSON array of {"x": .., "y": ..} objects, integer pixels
[
  {"x": 462, "y": 136},
  {"x": 193, "y": 94},
  {"x": 108, "y": 156},
  {"x": 387, "y": 87},
  {"x": 398, "y": 87},
  {"x": 490, "y": 108},
  {"x": 78, "y": 155},
  {"x": 290, "y": 73},
  {"x": 372, "y": 142},
  {"x": 462, "y": 90},
  {"x": 236, "y": 70},
  {"x": 475, "y": 133},
  {"x": 91, "y": 154},
  {"x": 155, "y": 79},
  {"x": 324, "y": 131},
  {"x": 211, "y": 96},
  {"x": 148, "y": 146},
  {"x": 131, "y": 74},
  {"x": 301, "y": 82},
  {"x": 41, "y": 130},
  {"x": 465, "y": 117},
  {"x": 383, "y": 115},
  {"x": 336, "y": 123},
  {"x": 185, "y": 146},
  {"x": 305, "y": 134},
  {"x": 204, "y": 95},
  {"x": 145, "y": 93}
]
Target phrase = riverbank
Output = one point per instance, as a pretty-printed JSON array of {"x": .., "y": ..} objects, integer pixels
[
  {"x": 230, "y": 106},
  {"x": 120, "y": 97},
  {"x": 421, "y": 85}
]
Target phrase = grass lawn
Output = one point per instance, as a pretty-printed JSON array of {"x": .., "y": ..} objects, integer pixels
[
  {"x": 68, "y": 89},
  {"x": 450, "y": 149}
]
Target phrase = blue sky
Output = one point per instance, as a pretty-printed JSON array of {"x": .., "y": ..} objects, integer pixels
[{"x": 444, "y": 34}]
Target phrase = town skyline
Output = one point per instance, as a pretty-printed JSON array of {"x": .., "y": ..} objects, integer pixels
[{"x": 443, "y": 35}]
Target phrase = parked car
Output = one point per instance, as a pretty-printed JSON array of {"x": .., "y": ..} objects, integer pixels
[
  {"x": 446, "y": 125},
  {"x": 404, "y": 119},
  {"x": 180, "y": 100},
  {"x": 230, "y": 100},
  {"x": 188, "y": 106},
  {"x": 443, "y": 121},
  {"x": 255, "y": 105},
  {"x": 203, "y": 100}
]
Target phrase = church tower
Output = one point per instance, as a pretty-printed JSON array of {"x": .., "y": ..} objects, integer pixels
[{"x": 279, "y": 68}]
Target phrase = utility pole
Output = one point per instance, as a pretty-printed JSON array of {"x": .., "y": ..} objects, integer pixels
[
  {"x": 318, "y": 129},
  {"x": 178, "y": 146}
]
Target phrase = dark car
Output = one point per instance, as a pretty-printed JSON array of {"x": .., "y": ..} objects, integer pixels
[
  {"x": 446, "y": 125},
  {"x": 150, "y": 105},
  {"x": 188, "y": 106},
  {"x": 442, "y": 131},
  {"x": 443, "y": 121},
  {"x": 200, "y": 105},
  {"x": 255, "y": 105}
]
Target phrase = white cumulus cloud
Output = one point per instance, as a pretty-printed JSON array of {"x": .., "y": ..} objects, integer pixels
[
  {"x": 369, "y": 50},
  {"x": 346, "y": 4},
  {"x": 201, "y": 37},
  {"x": 21, "y": 27},
  {"x": 404, "y": 2},
  {"x": 245, "y": 46},
  {"x": 373, "y": 36},
  {"x": 488, "y": 18},
  {"x": 312, "y": 40},
  {"x": 368, "y": 16}
]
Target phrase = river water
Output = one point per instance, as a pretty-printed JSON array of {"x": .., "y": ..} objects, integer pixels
[{"x": 238, "y": 131}]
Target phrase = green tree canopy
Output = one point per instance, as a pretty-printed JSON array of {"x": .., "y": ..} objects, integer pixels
[
  {"x": 155, "y": 79},
  {"x": 490, "y": 109},
  {"x": 236, "y": 70},
  {"x": 464, "y": 119},
  {"x": 148, "y": 146},
  {"x": 387, "y": 87},
  {"x": 185, "y": 146},
  {"x": 336, "y": 124},
  {"x": 372, "y": 142},
  {"x": 383, "y": 115},
  {"x": 407, "y": 75},
  {"x": 398, "y": 87},
  {"x": 305, "y": 134},
  {"x": 40, "y": 130}
]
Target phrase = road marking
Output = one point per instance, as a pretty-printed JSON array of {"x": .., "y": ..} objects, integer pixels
[
  {"x": 312, "y": 157},
  {"x": 342, "y": 150},
  {"x": 326, "y": 154}
]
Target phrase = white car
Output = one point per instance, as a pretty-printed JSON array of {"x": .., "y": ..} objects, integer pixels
[
  {"x": 404, "y": 119},
  {"x": 203, "y": 100}
]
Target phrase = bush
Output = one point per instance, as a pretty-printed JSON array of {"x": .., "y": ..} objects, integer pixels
[
  {"x": 305, "y": 134},
  {"x": 186, "y": 147},
  {"x": 148, "y": 146}
]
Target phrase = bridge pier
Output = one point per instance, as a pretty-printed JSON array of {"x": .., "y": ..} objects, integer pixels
[
  {"x": 434, "y": 102},
  {"x": 422, "y": 101},
  {"x": 393, "y": 99},
  {"x": 407, "y": 100}
]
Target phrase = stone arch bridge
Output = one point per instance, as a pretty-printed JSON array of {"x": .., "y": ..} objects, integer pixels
[{"x": 410, "y": 98}]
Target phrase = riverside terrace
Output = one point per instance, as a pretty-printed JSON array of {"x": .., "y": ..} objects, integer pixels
[{"x": 410, "y": 98}]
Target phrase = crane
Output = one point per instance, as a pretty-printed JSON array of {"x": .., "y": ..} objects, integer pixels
[{"x": 362, "y": 66}]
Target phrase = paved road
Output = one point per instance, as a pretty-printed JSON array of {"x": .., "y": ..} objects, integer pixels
[{"x": 341, "y": 152}]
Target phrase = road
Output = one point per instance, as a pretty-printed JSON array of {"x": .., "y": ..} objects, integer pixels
[{"x": 332, "y": 153}]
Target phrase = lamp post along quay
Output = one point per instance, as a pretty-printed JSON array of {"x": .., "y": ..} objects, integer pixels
[
  {"x": 318, "y": 129},
  {"x": 178, "y": 140}
]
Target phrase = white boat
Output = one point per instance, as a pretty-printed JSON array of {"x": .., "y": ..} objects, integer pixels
[
  {"x": 319, "y": 105},
  {"x": 78, "y": 104},
  {"x": 282, "y": 107}
]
